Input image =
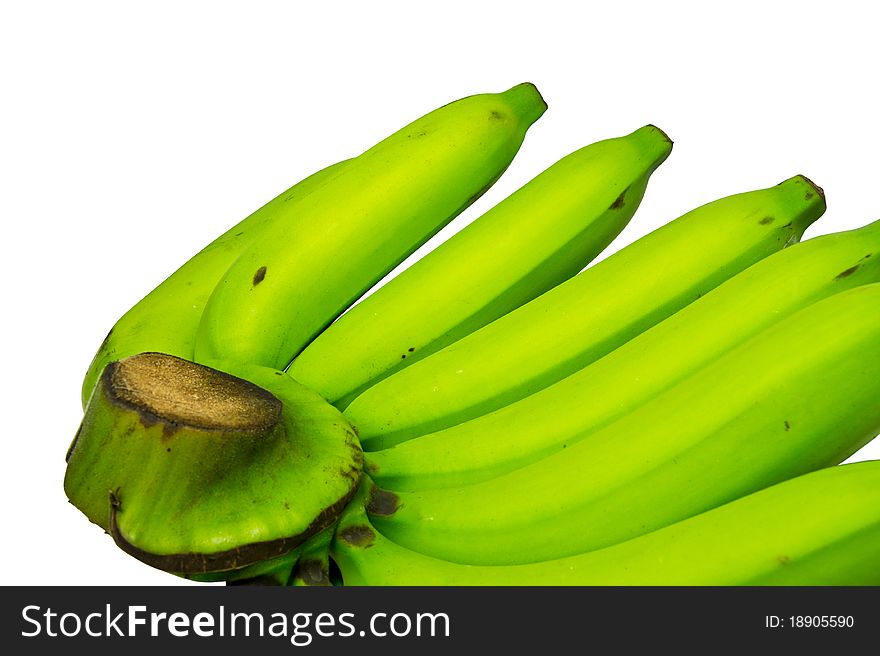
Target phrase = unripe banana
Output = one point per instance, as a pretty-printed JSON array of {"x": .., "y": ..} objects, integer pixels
[
  {"x": 166, "y": 319},
  {"x": 822, "y": 528},
  {"x": 573, "y": 408},
  {"x": 586, "y": 317},
  {"x": 298, "y": 277},
  {"x": 798, "y": 396},
  {"x": 536, "y": 238}
]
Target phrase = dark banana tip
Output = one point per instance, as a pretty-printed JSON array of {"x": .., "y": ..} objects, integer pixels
[
  {"x": 818, "y": 189},
  {"x": 662, "y": 133}
]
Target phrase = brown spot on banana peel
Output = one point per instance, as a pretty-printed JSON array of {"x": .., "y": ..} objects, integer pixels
[
  {"x": 787, "y": 426},
  {"x": 259, "y": 276},
  {"x": 382, "y": 502},
  {"x": 311, "y": 571},
  {"x": 847, "y": 273},
  {"x": 620, "y": 201},
  {"x": 357, "y": 536},
  {"x": 767, "y": 220},
  {"x": 222, "y": 561}
]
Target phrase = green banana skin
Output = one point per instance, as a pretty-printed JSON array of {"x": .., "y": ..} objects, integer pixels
[
  {"x": 295, "y": 279},
  {"x": 541, "y": 235},
  {"x": 798, "y": 396},
  {"x": 586, "y": 317},
  {"x": 210, "y": 494},
  {"x": 166, "y": 319},
  {"x": 571, "y": 409},
  {"x": 822, "y": 528}
]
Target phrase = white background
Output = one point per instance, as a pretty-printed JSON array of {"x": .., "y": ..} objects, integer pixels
[{"x": 133, "y": 133}]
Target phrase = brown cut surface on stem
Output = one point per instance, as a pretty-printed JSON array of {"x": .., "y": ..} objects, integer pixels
[{"x": 179, "y": 392}]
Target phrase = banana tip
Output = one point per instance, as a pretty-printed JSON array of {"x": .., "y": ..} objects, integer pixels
[
  {"x": 526, "y": 95},
  {"x": 812, "y": 184},
  {"x": 662, "y": 133}
]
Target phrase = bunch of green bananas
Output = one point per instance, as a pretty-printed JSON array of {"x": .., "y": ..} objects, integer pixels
[{"x": 497, "y": 414}]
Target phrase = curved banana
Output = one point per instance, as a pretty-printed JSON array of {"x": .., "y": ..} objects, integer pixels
[
  {"x": 166, "y": 319},
  {"x": 210, "y": 475},
  {"x": 798, "y": 396},
  {"x": 586, "y": 317},
  {"x": 568, "y": 411},
  {"x": 541, "y": 235},
  {"x": 822, "y": 528},
  {"x": 298, "y": 277}
]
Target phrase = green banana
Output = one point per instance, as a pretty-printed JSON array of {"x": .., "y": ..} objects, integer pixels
[
  {"x": 295, "y": 279},
  {"x": 586, "y": 317},
  {"x": 209, "y": 475},
  {"x": 536, "y": 238},
  {"x": 568, "y": 411},
  {"x": 166, "y": 319},
  {"x": 798, "y": 396},
  {"x": 822, "y": 528}
]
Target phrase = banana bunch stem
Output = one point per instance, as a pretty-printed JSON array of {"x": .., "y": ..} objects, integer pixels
[{"x": 201, "y": 473}]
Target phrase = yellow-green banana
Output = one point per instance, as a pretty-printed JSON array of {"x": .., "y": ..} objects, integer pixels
[
  {"x": 571, "y": 409},
  {"x": 536, "y": 238},
  {"x": 295, "y": 279},
  {"x": 822, "y": 528},
  {"x": 586, "y": 317},
  {"x": 798, "y": 396},
  {"x": 167, "y": 318}
]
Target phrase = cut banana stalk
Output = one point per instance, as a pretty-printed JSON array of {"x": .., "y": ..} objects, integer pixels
[{"x": 201, "y": 473}]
